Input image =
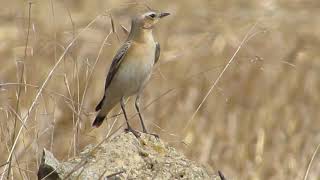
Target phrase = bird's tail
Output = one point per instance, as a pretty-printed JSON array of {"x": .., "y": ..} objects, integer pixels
[
  {"x": 104, "y": 111},
  {"x": 99, "y": 120}
]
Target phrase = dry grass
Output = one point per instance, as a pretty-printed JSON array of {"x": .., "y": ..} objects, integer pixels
[{"x": 259, "y": 121}]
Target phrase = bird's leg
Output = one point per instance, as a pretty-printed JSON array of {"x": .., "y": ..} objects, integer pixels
[
  {"x": 129, "y": 128},
  {"x": 144, "y": 129},
  {"x": 137, "y": 103}
]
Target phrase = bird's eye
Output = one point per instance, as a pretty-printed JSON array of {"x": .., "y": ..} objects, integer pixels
[{"x": 152, "y": 15}]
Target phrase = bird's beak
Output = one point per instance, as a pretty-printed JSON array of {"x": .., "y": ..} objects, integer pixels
[{"x": 164, "y": 14}]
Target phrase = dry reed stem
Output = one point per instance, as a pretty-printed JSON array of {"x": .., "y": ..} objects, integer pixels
[
  {"x": 311, "y": 161},
  {"x": 42, "y": 87},
  {"x": 246, "y": 38},
  {"x": 91, "y": 72},
  {"x": 45, "y": 90},
  {"x": 19, "y": 89}
]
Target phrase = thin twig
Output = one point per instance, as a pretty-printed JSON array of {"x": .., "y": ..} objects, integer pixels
[
  {"x": 310, "y": 163},
  {"x": 78, "y": 166},
  {"x": 221, "y": 74},
  {"x": 45, "y": 177},
  {"x": 4, "y": 164},
  {"x": 72, "y": 22},
  {"x": 114, "y": 174},
  {"x": 45, "y": 90},
  {"x": 125, "y": 30},
  {"x": 221, "y": 175},
  {"x": 17, "y": 115}
]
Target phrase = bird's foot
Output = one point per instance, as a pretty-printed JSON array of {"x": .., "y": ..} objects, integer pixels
[
  {"x": 134, "y": 132},
  {"x": 155, "y": 135}
]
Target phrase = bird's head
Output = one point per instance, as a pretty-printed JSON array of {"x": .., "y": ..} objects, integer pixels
[{"x": 149, "y": 19}]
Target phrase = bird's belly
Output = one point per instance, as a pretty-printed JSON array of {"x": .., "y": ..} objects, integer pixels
[{"x": 131, "y": 77}]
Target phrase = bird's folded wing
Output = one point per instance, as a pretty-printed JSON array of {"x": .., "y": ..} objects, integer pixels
[
  {"x": 157, "y": 53},
  {"x": 114, "y": 68},
  {"x": 116, "y": 62}
]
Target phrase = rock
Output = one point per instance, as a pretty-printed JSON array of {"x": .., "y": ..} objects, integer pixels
[
  {"x": 124, "y": 157},
  {"x": 48, "y": 166}
]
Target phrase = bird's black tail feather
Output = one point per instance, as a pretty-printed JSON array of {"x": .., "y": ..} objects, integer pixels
[
  {"x": 98, "y": 121},
  {"x": 100, "y": 104}
]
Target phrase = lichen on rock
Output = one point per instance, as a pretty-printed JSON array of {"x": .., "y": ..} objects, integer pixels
[{"x": 124, "y": 157}]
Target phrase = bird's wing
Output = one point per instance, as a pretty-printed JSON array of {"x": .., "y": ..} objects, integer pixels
[
  {"x": 114, "y": 67},
  {"x": 157, "y": 54},
  {"x": 116, "y": 62}
]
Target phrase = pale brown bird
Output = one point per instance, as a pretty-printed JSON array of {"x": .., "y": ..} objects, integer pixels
[{"x": 131, "y": 68}]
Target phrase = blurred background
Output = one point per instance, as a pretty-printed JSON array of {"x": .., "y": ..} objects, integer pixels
[{"x": 261, "y": 121}]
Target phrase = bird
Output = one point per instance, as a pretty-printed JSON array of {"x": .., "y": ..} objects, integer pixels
[{"x": 131, "y": 69}]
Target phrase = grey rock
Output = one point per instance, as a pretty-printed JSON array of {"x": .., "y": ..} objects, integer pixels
[
  {"x": 48, "y": 167},
  {"x": 124, "y": 157}
]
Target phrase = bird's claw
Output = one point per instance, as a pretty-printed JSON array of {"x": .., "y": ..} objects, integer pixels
[
  {"x": 155, "y": 135},
  {"x": 134, "y": 132}
]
